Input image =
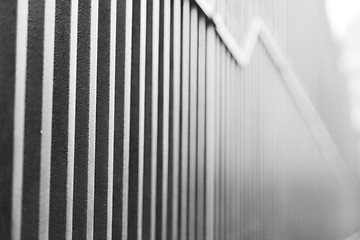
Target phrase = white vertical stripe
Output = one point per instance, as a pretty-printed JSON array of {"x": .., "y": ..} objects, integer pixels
[
  {"x": 176, "y": 116},
  {"x": 154, "y": 114},
  {"x": 226, "y": 144},
  {"x": 185, "y": 118},
  {"x": 141, "y": 114},
  {"x": 193, "y": 121},
  {"x": 238, "y": 150},
  {"x": 112, "y": 69},
  {"x": 46, "y": 121},
  {"x": 19, "y": 116},
  {"x": 92, "y": 117},
  {"x": 127, "y": 95},
  {"x": 216, "y": 134},
  {"x": 200, "y": 166},
  {"x": 166, "y": 92},
  {"x": 71, "y": 123},
  {"x": 223, "y": 141}
]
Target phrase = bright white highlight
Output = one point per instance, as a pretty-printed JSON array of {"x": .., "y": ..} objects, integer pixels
[{"x": 341, "y": 14}]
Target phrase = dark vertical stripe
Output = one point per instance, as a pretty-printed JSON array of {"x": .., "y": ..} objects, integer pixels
[
  {"x": 102, "y": 122},
  {"x": 8, "y": 10},
  {"x": 58, "y": 193},
  {"x": 159, "y": 177},
  {"x": 33, "y": 104},
  {"x": 147, "y": 128},
  {"x": 82, "y": 122},
  {"x": 134, "y": 124},
  {"x": 119, "y": 120}
]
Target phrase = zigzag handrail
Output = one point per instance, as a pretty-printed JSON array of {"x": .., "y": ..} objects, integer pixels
[{"x": 242, "y": 55}]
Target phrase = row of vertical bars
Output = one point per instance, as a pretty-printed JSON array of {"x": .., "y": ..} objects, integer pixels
[
  {"x": 131, "y": 119},
  {"x": 111, "y": 105}
]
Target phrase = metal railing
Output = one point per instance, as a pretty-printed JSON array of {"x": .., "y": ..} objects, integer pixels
[{"x": 146, "y": 119}]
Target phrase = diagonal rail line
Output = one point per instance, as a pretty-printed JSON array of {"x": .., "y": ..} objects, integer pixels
[{"x": 258, "y": 31}]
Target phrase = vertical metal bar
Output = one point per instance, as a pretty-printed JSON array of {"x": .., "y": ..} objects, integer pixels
[
  {"x": 185, "y": 119},
  {"x": 47, "y": 92},
  {"x": 262, "y": 145},
  {"x": 119, "y": 120},
  {"x": 92, "y": 117},
  {"x": 135, "y": 103},
  {"x": 71, "y": 123},
  {"x": 154, "y": 120},
  {"x": 143, "y": 17},
  {"x": 84, "y": 124},
  {"x": 247, "y": 189},
  {"x": 235, "y": 147},
  {"x": 228, "y": 154},
  {"x": 250, "y": 158},
  {"x": 234, "y": 206},
  {"x": 231, "y": 149},
  {"x": 211, "y": 132},
  {"x": 32, "y": 130},
  {"x": 230, "y": 131},
  {"x": 218, "y": 135},
  {"x": 7, "y": 96},
  {"x": 176, "y": 115},
  {"x": 147, "y": 184},
  {"x": 264, "y": 154},
  {"x": 19, "y": 116},
  {"x": 236, "y": 152},
  {"x": 102, "y": 121},
  {"x": 112, "y": 71},
  {"x": 215, "y": 51},
  {"x": 170, "y": 165},
  {"x": 193, "y": 122},
  {"x": 127, "y": 91},
  {"x": 60, "y": 122},
  {"x": 225, "y": 144},
  {"x": 222, "y": 159},
  {"x": 166, "y": 89},
  {"x": 200, "y": 166},
  {"x": 233, "y": 164},
  {"x": 160, "y": 134},
  {"x": 215, "y": 125},
  {"x": 242, "y": 153},
  {"x": 239, "y": 151}
]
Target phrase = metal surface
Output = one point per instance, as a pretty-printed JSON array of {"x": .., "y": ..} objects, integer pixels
[{"x": 154, "y": 119}]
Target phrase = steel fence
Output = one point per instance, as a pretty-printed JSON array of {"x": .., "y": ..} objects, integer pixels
[{"x": 145, "y": 119}]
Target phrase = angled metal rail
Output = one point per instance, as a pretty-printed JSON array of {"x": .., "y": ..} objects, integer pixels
[{"x": 242, "y": 55}]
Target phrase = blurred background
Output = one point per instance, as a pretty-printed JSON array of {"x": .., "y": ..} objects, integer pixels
[{"x": 344, "y": 20}]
